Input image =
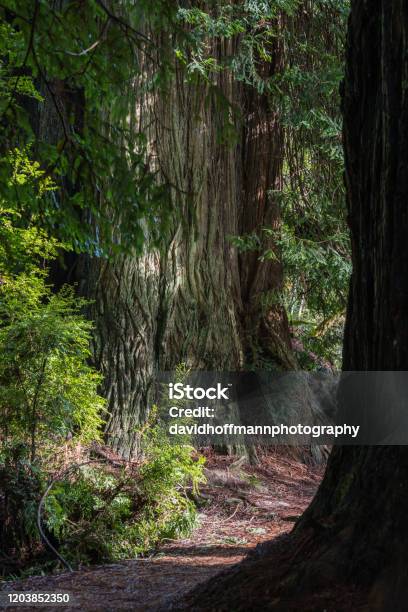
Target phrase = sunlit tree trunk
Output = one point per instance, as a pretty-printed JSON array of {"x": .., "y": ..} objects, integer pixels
[{"x": 196, "y": 300}]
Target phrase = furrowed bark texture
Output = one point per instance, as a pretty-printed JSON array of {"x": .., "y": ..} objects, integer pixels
[
  {"x": 355, "y": 531},
  {"x": 362, "y": 504},
  {"x": 197, "y": 300}
]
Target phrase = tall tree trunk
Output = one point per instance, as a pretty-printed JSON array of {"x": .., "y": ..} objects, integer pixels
[
  {"x": 196, "y": 300},
  {"x": 364, "y": 495},
  {"x": 265, "y": 322},
  {"x": 355, "y": 531}
]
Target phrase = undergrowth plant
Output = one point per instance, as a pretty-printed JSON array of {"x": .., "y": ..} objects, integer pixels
[
  {"x": 48, "y": 390},
  {"x": 101, "y": 514},
  {"x": 49, "y": 399}
]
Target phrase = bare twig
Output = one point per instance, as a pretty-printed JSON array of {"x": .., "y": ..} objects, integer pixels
[{"x": 84, "y": 52}]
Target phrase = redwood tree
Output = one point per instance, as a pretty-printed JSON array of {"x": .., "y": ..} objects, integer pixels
[
  {"x": 196, "y": 299},
  {"x": 355, "y": 534}
]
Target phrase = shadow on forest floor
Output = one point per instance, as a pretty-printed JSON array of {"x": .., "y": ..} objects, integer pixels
[{"x": 242, "y": 506}]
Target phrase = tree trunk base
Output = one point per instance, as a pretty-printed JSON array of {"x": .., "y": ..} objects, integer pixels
[
  {"x": 347, "y": 552},
  {"x": 287, "y": 574}
]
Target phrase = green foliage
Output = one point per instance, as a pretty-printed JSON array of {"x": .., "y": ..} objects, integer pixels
[
  {"x": 105, "y": 515},
  {"x": 314, "y": 238},
  {"x": 68, "y": 61},
  {"x": 248, "y": 33},
  {"x": 47, "y": 388},
  {"x": 22, "y": 249},
  {"x": 248, "y": 242},
  {"x": 24, "y": 244},
  {"x": 254, "y": 27}
]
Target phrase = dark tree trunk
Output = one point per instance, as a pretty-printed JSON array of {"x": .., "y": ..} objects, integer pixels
[
  {"x": 355, "y": 533},
  {"x": 362, "y": 504}
]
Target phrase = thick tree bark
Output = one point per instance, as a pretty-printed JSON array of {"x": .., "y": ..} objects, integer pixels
[
  {"x": 196, "y": 300},
  {"x": 265, "y": 321},
  {"x": 363, "y": 497},
  {"x": 355, "y": 531}
]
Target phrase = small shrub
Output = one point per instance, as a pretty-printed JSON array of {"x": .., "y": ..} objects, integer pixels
[
  {"x": 47, "y": 389},
  {"x": 104, "y": 516}
]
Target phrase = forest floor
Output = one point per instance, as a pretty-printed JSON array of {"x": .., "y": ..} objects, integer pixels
[{"x": 242, "y": 507}]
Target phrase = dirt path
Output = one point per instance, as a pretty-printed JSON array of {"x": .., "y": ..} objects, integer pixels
[{"x": 242, "y": 507}]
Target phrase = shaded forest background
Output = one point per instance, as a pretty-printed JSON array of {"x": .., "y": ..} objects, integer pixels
[{"x": 171, "y": 192}]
